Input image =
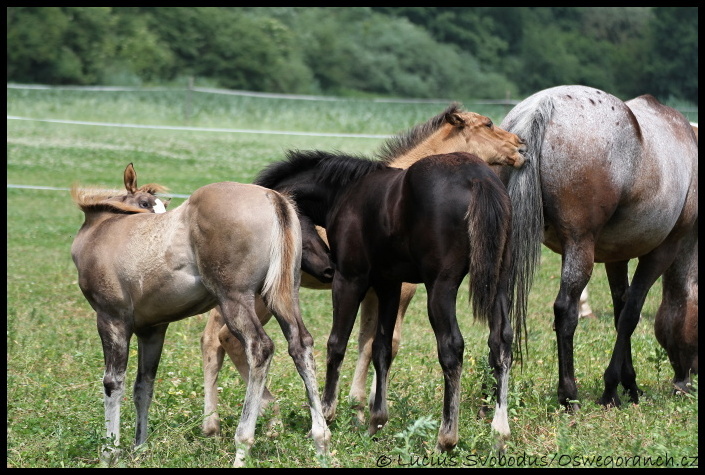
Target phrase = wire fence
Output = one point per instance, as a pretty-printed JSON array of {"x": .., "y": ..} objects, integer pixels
[{"x": 507, "y": 102}]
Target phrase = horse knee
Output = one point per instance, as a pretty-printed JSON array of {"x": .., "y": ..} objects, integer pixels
[
  {"x": 335, "y": 348},
  {"x": 450, "y": 354}
]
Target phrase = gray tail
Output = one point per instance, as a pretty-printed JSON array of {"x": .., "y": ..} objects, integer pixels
[{"x": 528, "y": 120}]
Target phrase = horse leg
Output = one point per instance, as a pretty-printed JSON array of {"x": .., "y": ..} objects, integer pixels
[
  {"x": 150, "y": 342},
  {"x": 450, "y": 346},
  {"x": 676, "y": 323},
  {"x": 236, "y": 352},
  {"x": 388, "y": 296},
  {"x": 500, "y": 343},
  {"x": 347, "y": 295},
  {"x": 239, "y": 314},
  {"x": 585, "y": 309},
  {"x": 115, "y": 334},
  {"x": 650, "y": 267},
  {"x": 618, "y": 278},
  {"x": 300, "y": 344},
  {"x": 407, "y": 293},
  {"x": 368, "y": 328},
  {"x": 212, "y": 354},
  {"x": 577, "y": 264}
]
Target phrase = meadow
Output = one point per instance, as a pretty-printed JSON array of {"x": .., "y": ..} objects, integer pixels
[{"x": 54, "y": 356}]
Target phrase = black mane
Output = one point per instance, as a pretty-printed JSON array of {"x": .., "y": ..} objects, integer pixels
[{"x": 337, "y": 169}]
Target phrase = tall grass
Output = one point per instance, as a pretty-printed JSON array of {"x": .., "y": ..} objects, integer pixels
[{"x": 54, "y": 357}]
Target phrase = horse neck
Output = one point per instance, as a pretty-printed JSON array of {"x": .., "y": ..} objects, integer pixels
[
  {"x": 93, "y": 218},
  {"x": 440, "y": 141}
]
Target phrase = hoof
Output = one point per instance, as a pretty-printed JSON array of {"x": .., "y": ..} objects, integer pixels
[{"x": 609, "y": 401}]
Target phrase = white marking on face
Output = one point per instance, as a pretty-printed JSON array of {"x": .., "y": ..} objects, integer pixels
[{"x": 159, "y": 206}]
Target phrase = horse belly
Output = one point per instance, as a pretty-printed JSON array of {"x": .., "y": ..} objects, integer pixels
[{"x": 180, "y": 296}]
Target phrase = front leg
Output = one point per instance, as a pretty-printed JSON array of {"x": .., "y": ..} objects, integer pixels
[
  {"x": 150, "y": 342},
  {"x": 115, "y": 336},
  {"x": 389, "y": 296},
  {"x": 347, "y": 295}
]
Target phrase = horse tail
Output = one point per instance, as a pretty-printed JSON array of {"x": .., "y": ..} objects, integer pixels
[
  {"x": 489, "y": 228},
  {"x": 283, "y": 276},
  {"x": 528, "y": 120}
]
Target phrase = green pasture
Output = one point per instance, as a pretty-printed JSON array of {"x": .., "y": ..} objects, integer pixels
[{"x": 54, "y": 356}]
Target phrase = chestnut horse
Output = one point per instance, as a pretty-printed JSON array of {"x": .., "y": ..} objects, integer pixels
[
  {"x": 452, "y": 130},
  {"x": 610, "y": 181},
  {"x": 141, "y": 271},
  {"x": 444, "y": 217}
]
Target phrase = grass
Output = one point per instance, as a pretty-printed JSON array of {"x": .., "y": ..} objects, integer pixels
[{"x": 55, "y": 362}]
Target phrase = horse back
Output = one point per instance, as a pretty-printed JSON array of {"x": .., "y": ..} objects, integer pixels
[{"x": 617, "y": 172}]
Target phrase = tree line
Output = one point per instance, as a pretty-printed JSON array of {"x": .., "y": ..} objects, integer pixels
[{"x": 416, "y": 52}]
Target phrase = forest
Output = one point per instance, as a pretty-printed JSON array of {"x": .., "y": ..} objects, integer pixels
[{"x": 411, "y": 52}]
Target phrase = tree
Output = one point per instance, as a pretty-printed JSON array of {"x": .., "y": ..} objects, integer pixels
[{"x": 673, "y": 62}]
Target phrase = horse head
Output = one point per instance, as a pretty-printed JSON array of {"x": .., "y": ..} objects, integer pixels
[
  {"x": 492, "y": 144},
  {"x": 315, "y": 255},
  {"x": 145, "y": 196},
  {"x": 454, "y": 130}
]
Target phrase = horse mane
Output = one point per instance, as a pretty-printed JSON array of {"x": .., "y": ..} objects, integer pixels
[
  {"x": 404, "y": 142},
  {"x": 96, "y": 200},
  {"x": 335, "y": 168},
  {"x": 153, "y": 188}
]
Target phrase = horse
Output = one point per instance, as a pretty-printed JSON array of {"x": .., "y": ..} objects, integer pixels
[
  {"x": 609, "y": 181},
  {"x": 140, "y": 271},
  {"x": 454, "y": 129},
  {"x": 445, "y": 217}
]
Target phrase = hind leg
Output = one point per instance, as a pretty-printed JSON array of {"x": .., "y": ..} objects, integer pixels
[
  {"x": 650, "y": 267},
  {"x": 618, "y": 277},
  {"x": 300, "y": 344},
  {"x": 150, "y": 342},
  {"x": 236, "y": 352},
  {"x": 577, "y": 265},
  {"x": 450, "y": 346},
  {"x": 240, "y": 317},
  {"x": 676, "y": 324}
]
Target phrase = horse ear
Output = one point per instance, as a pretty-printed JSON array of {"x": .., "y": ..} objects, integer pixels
[
  {"x": 131, "y": 179},
  {"x": 454, "y": 119}
]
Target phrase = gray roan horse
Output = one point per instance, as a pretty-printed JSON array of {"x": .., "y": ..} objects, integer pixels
[
  {"x": 609, "y": 181},
  {"x": 453, "y": 130},
  {"x": 227, "y": 244}
]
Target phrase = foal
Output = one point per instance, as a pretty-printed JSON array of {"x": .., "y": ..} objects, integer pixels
[{"x": 227, "y": 245}]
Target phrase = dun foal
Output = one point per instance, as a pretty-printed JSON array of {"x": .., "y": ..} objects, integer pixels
[{"x": 226, "y": 245}]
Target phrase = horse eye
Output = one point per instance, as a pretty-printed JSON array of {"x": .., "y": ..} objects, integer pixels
[
  {"x": 489, "y": 124},
  {"x": 144, "y": 204}
]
